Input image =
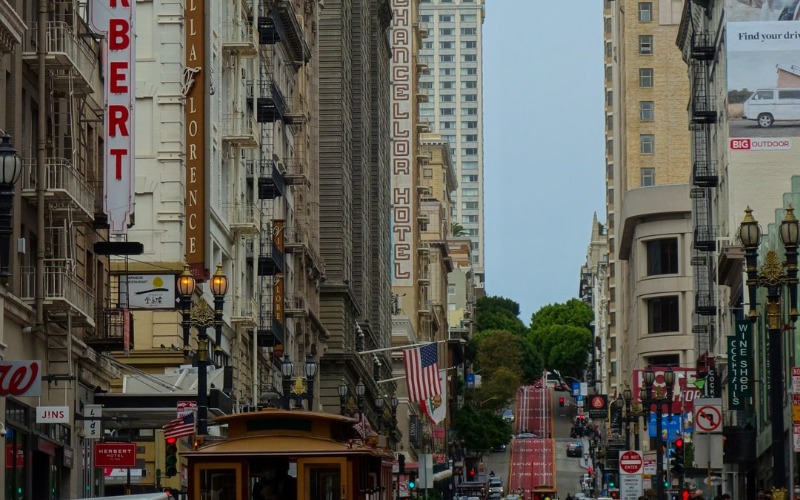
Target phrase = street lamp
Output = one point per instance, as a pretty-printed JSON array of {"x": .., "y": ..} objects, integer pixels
[
  {"x": 773, "y": 277},
  {"x": 10, "y": 170},
  {"x": 379, "y": 401},
  {"x": 201, "y": 317},
  {"x": 360, "y": 390},
  {"x": 631, "y": 416},
  {"x": 311, "y": 373},
  {"x": 342, "y": 390},
  {"x": 287, "y": 370},
  {"x": 659, "y": 400}
]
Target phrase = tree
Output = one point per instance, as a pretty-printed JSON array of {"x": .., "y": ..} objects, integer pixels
[
  {"x": 497, "y": 391},
  {"x": 457, "y": 230},
  {"x": 561, "y": 334},
  {"x": 480, "y": 430},
  {"x": 498, "y": 313},
  {"x": 574, "y": 312},
  {"x": 500, "y": 349}
]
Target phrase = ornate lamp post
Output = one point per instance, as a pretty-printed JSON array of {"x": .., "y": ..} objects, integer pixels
[
  {"x": 10, "y": 170},
  {"x": 659, "y": 400},
  {"x": 379, "y": 402},
  {"x": 773, "y": 276},
  {"x": 360, "y": 390},
  {"x": 631, "y": 416},
  {"x": 342, "y": 390},
  {"x": 201, "y": 317},
  {"x": 311, "y": 374},
  {"x": 287, "y": 370}
]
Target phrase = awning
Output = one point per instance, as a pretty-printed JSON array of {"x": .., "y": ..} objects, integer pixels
[{"x": 443, "y": 475}]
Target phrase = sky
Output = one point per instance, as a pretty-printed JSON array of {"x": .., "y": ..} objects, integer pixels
[{"x": 544, "y": 159}]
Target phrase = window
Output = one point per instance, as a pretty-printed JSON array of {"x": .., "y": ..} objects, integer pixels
[
  {"x": 609, "y": 121},
  {"x": 469, "y": 45},
  {"x": 449, "y": 138},
  {"x": 468, "y": 18},
  {"x": 447, "y": 58},
  {"x": 662, "y": 256},
  {"x": 469, "y": 57},
  {"x": 469, "y": 178},
  {"x": 451, "y": 289},
  {"x": 427, "y": 45},
  {"x": 469, "y": 219},
  {"x": 426, "y": 85},
  {"x": 469, "y": 205},
  {"x": 469, "y": 138},
  {"x": 648, "y": 177},
  {"x": 445, "y": 18},
  {"x": 469, "y": 85},
  {"x": 447, "y": 125},
  {"x": 473, "y": 245},
  {"x": 427, "y": 18},
  {"x": 469, "y": 192},
  {"x": 663, "y": 314},
  {"x": 447, "y": 98},
  {"x": 645, "y": 12},
  {"x": 469, "y": 151},
  {"x": 469, "y": 71},
  {"x": 645, "y": 44},
  {"x": 647, "y": 144},
  {"x": 609, "y": 98},
  {"x": 425, "y": 59},
  {"x": 446, "y": 72},
  {"x": 445, "y": 45},
  {"x": 646, "y": 78},
  {"x": 607, "y": 25},
  {"x": 469, "y": 97},
  {"x": 469, "y": 111},
  {"x": 646, "y": 110},
  {"x": 469, "y": 31},
  {"x": 473, "y": 232},
  {"x": 469, "y": 124},
  {"x": 446, "y": 31},
  {"x": 609, "y": 49},
  {"x": 447, "y": 112},
  {"x": 609, "y": 74},
  {"x": 469, "y": 165}
]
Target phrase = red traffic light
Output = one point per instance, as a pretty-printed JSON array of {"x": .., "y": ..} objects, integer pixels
[
  {"x": 590, "y": 470},
  {"x": 679, "y": 443},
  {"x": 686, "y": 494},
  {"x": 561, "y": 401},
  {"x": 615, "y": 494},
  {"x": 171, "y": 440}
]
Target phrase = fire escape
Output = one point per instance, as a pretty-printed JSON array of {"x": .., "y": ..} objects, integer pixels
[
  {"x": 71, "y": 275},
  {"x": 704, "y": 178},
  {"x": 288, "y": 233}
]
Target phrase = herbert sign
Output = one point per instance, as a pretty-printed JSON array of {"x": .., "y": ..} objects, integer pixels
[{"x": 115, "y": 455}]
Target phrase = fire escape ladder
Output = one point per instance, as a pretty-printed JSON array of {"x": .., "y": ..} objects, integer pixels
[
  {"x": 702, "y": 100},
  {"x": 704, "y": 230},
  {"x": 704, "y": 168}
]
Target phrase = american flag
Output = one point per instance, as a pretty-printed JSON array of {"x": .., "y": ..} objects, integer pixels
[
  {"x": 180, "y": 427},
  {"x": 422, "y": 372}
]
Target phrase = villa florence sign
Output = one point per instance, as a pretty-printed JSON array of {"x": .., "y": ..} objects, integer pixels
[{"x": 740, "y": 364}]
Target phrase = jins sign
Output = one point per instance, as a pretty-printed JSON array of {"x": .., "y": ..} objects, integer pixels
[
  {"x": 194, "y": 92},
  {"x": 115, "y": 19}
]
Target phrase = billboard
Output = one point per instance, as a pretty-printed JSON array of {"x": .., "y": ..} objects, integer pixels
[{"x": 684, "y": 391}]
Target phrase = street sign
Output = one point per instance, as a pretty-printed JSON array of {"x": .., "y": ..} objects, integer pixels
[
  {"x": 576, "y": 388},
  {"x": 92, "y": 424},
  {"x": 796, "y": 438},
  {"x": 631, "y": 462},
  {"x": 116, "y": 455},
  {"x": 707, "y": 416},
  {"x": 470, "y": 380},
  {"x": 584, "y": 389},
  {"x": 598, "y": 406}
]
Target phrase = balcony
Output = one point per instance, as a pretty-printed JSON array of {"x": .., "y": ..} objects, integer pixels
[
  {"x": 63, "y": 292},
  {"x": 244, "y": 218},
  {"x": 704, "y": 237},
  {"x": 270, "y": 331},
  {"x": 704, "y": 173},
  {"x": 703, "y": 48},
  {"x": 112, "y": 335},
  {"x": 297, "y": 240},
  {"x": 70, "y": 59},
  {"x": 270, "y": 260},
  {"x": 295, "y": 306},
  {"x": 63, "y": 185},
  {"x": 424, "y": 276},
  {"x": 269, "y": 101},
  {"x": 245, "y": 311},
  {"x": 270, "y": 181},
  {"x": 296, "y": 171},
  {"x": 239, "y": 128},
  {"x": 277, "y": 22},
  {"x": 239, "y": 38}
]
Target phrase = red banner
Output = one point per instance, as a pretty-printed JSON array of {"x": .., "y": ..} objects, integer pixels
[
  {"x": 10, "y": 456},
  {"x": 115, "y": 455},
  {"x": 683, "y": 394}
]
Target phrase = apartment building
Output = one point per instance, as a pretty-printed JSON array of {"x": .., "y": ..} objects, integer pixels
[
  {"x": 452, "y": 79},
  {"x": 593, "y": 290},
  {"x": 650, "y": 296},
  {"x": 743, "y": 145}
]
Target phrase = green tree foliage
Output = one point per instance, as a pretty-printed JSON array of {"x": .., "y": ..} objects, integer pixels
[
  {"x": 500, "y": 349},
  {"x": 498, "y": 313},
  {"x": 497, "y": 391},
  {"x": 480, "y": 430},
  {"x": 560, "y": 334},
  {"x": 532, "y": 361}
]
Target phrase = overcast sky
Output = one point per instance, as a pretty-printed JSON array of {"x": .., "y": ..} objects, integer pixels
[{"x": 543, "y": 158}]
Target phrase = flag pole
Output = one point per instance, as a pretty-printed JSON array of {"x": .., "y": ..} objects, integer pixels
[
  {"x": 394, "y": 379},
  {"x": 401, "y": 347}
]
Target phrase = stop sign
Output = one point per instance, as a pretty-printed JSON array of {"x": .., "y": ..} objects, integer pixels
[{"x": 631, "y": 462}]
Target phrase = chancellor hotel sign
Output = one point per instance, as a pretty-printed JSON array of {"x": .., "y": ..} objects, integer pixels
[{"x": 194, "y": 91}]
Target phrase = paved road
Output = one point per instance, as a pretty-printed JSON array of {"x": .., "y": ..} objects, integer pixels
[{"x": 532, "y": 458}]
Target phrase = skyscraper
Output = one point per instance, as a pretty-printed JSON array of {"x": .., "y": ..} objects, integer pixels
[{"x": 453, "y": 81}]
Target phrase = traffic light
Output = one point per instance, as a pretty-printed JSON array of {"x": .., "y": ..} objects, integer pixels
[
  {"x": 665, "y": 481},
  {"x": 471, "y": 474},
  {"x": 678, "y": 464},
  {"x": 412, "y": 480},
  {"x": 590, "y": 470},
  {"x": 561, "y": 401},
  {"x": 615, "y": 494},
  {"x": 611, "y": 482},
  {"x": 401, "y": 463},
  {"x": 171, "y": 457},
  {"x": 686, "y": 494}
]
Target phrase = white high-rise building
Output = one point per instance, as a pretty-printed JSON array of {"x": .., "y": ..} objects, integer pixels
[{"x": 453, "y": 81}]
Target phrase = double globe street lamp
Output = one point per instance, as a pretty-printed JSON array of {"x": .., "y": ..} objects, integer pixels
[
  {"x": 10, "y": 170},
  {"x": 773, "y": 276},
  {"x": 287, "y": 372},
  {"x": 201, "y": 317},
  {"x": 652, "y": 396}
]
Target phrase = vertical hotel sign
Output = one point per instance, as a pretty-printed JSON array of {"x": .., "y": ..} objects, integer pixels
[
  {"x": 194, "y": 110},
  {"x": 402, "y": 150},
  {"x": 116, "y": 20},
  {"x": 278, "y": 287}
]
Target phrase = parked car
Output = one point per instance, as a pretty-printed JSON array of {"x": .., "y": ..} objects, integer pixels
[
  {"x": 508, "y": 415},
  {"x": 526, "y": 435},
  {"x": 499, "y": 448},
  {"x": 575, "y": 449}
]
